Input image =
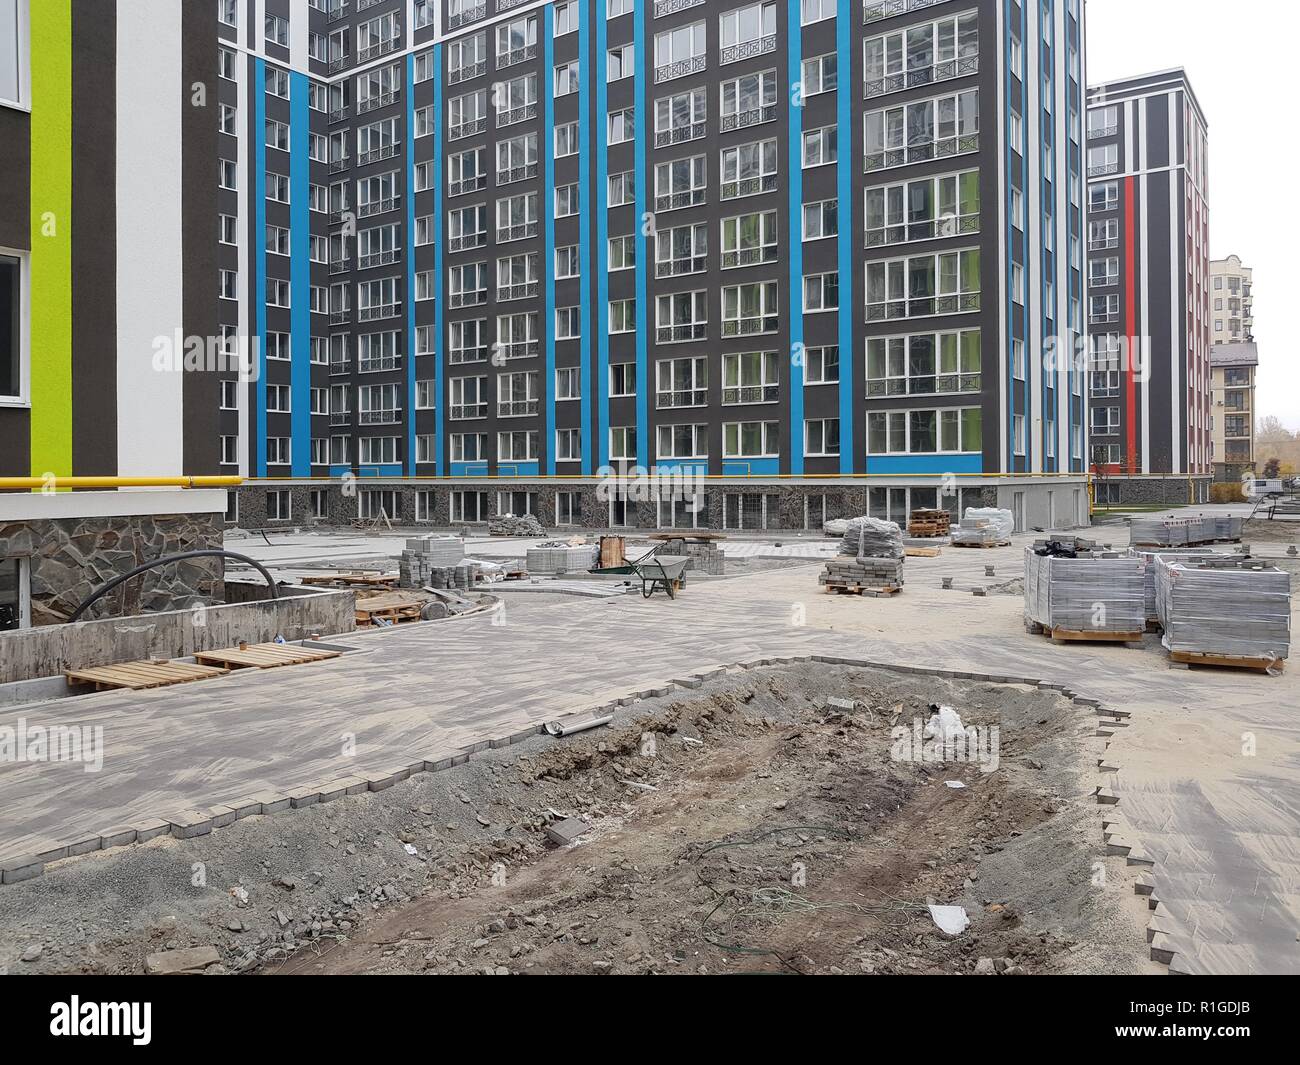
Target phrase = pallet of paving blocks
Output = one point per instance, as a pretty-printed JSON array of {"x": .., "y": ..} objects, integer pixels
[
  {"x": 929, "y": 523},
  {"x": 1185, "y": 531},
  {"x": 1148, "y": 557},
  {"x": 1095, "y": 596},
  {"x": 879, "y": 577},
  {"x": 1225, "y": 612},
  {"x": 984, "y": 527}
]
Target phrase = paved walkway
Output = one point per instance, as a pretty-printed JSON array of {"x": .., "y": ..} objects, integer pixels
[{"x": 1220, "y": 824}]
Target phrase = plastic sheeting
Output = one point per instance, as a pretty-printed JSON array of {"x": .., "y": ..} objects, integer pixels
[
  {"x": 1085, "y": 594},
  {"x": 872, "y": 538},
  {"x": 984, "y": 525},
  {"x": 1224, "y": 610},
  {"x": 1180, "y": 531}
]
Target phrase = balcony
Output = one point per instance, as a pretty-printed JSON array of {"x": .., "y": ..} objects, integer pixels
[
  {"x": 375, "y": 155},
  {"x": 1096, "y": 133},
  {"x": 469, "y": 128},
  {"x": 374, "y": 51},
  {"x": 338, "y": 12},
  {"x": 680, "y": 69},
  {"x": 515, "y": 115},
  {"x": 378, "y": 363},
  {"x": 681, "y": 334},
  {"x": 521, "y": 291},
  {"x": 1103, "y": 243},
  {"x": 379, "y": 417},
  {"x": 952, "y": 226},
  {"x": 374, "y": 207},
  {"x": 1102, "y": 169},
  {"x": 469, "y": 184},
  {"x": 674, "y": 201},
  {"x": 516, "y": 173},
  {"x": 342, "y": 317},
  {"x": 751, "y": 394},
  {"x": 749, "y": 256},
  {"x": 739, "y": 327},
  {"x": 692, "y": 264},
  {"x": 735, "y": 190},
  {"x": 467, "y": 14},
  {"x": 338, "y": 63},
  {"x": 378, "y": 258},
  {"x": 378, "y": 313},
  {"x": 754, "y": 116},
  {"x": 340, "y": 417},
  {"x": 517, "y": 408},
  {"x": 520, "y": 231},
  {"x": 340, "y": 367},
  {"x": 462, "y": 411},
  {"x": 690, "y": 397},
  {"x": 340, "y": 266},
  {"x": 468, "y": 299},
  {"x": 467, "y": 72},
  {"x": 516, "y": 55},
  {"x": 337, "y": 166},
  {"x": 459, "y": 355},
  {"x": 735, "y": 53},
  {"x": 882, "y": 9},
  {"x": 340, "y": 114},
  {"x": 373, "y": 103},
  {"x": 671, "y": 7},
  {"x": 945, "y": 70},
  {"x": 681, "y": 134},
  {"x": 466, "y": 241},
  {"x": 520, "y": 349},
  {"x": 922, "y": 151},
  {"x": 923, "y": 307}
]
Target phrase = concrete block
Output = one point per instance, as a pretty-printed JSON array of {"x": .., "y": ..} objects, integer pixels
[
  {"x": 357, "y": 785},
  {"x": 245, "y": 808},
  {"x": 117, "y": 836},
  {"x": 272, "y": 801},
  {"x": 222, "y": 816},
  {"x": 189, "y": 960},
  {"x": 381, "y": 781},
  {"x": 566, "y": 831},
  {"x": 85, "y": 845},
  {"x": 23, "y": 867},
  {"x": 331, "y": 790},
  {"x": 525, "y": 734},
  {"x": 437, "y": 765},
  {"x": 307, "y": 796},
  {"x": 498, "y": 742},
  {"x": 48, "y": 851},
  {"x": 189, "y": 823},
  {"x": 460, "y": 759},
  {"x": 415, "y": 768},
  {"x": 150, "y": 828}
]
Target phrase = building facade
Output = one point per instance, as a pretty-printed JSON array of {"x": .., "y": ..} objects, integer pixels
[
  {"x": 1149, "y": 289},
  {"x": 1233, "y": 301},
  {"x": 818, "y": 253},
  {"x": 107, "y": 147},
  {"x": 1232, "y": 374}
]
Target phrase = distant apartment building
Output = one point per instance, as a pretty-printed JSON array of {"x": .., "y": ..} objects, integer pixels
[
  {"x": 1149, "y": 289},
  {"x": 1233, "y": 368},
  {"x": 1232, "y": 302},
  {"x": 821, "y": 253},
  {"x": 107, "y": 265}
]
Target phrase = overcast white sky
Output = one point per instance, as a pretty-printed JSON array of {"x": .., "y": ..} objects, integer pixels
[{"x": 1242, "y": 62}]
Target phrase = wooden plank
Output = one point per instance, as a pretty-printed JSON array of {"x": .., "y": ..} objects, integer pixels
[
  {"x": 922, "y": 552},
  {"x": 1260, "y": 665},
  {"x": 140, "y": 675},
  {"x": 265, "y": 655},
  {"x": 1091, "y": 636}
]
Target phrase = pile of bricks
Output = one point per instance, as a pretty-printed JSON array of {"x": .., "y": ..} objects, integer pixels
[
  {"x": 559, "y": 557},
  {"x": 508, "y": 525},
  {"x": 426, "y": 554},
  {"x": 864, "y": 572},
  {"x": 704, "y": 557}
]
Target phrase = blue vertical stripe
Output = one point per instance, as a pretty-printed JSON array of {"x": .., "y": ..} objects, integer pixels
[
  {"x": 300, "y": 274},
  {"x": 258, "y": 237},
  {"x": 642, "y": 293},
  {"x": 849, "y": 461},
  {"x": 600, "y": 208},
  {"x": 439, "y": 225},
  {"x": 1045, "y": 84},
  {"x": 794, "y": 58},
  {"x": 409, "y": 243},
  {"x": 548, "y": 244},
  {"x": 584, "y": 243}
]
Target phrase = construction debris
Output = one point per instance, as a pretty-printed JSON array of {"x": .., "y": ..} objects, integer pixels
[
  {"x": 565, "y": 832},
  {"x": 509, "y": 525}
]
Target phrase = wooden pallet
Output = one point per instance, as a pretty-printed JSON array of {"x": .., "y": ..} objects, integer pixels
[
  {"x": 873, "y": 591},
  {"x": 352, "y": 580},
  {"x": 1093, "y": 636},
  {"x": 392, "y": 609},
  {"x": 146, "y": 674},
  {"x": 922, "y": 552},
  {"x": 1259, "y": 665},
  {"x": 1000, "y": 543},
  {"x": 264, "y": 655},
  {"x": 924, "y": 529}
]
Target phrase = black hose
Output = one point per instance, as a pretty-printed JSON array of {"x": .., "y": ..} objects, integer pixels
[{"x": 212, "y": 552}]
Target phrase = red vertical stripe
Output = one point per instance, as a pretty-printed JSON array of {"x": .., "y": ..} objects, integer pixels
[{"x": 1130, "y": 326}]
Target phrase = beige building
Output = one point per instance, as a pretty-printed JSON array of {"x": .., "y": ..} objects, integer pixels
[
  {"x": 1231, "y": 303},
  {"x": 1232, "y": 385}
]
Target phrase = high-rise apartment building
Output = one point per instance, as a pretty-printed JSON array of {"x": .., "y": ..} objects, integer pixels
[
  {"x": 1232, "y": 301},
  {"x": 1149, "y": 288},
  {"x": 1233, "y": 368},
  {"x": 825, "y": 253}
]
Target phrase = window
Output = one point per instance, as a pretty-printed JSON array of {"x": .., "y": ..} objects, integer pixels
[
  {"x": 924, "y": 208},
  {"x": 918, "y": 432},
  {"x": 622, "y": 379},
  {"x": 277, "y": 399},
  {"x": 15, "y": 338},
  {"x": 622, "y": 253},
  {"x": 681, "y": 316},
  {"x": 516, "y": 40},
  {"x": 566, "y": 201},
  {"x": 821, "y": 292},
  {"x": 468, "y": 397},
  {"x": 622, "y": 316},
  {"x": 1103, "y": 234},
  {"x": 1103, "y": 122},
  {"x": 1103, "y": 159},
  {"x": 566, "y": 18},
  {"x": 681, "y": 382},
  {"x": 946, "y": 283},
  {"x": 568, "y": 445},
  {"x": 745, "y": 440},
  {"x": 1103, "y": 196},
  {"x": 681, "y": 250},
  {"x": 517, "y": 217},
  {"x": 922, "y": 130},
  {"x": 924, "y": 364},
  {"x": 679, "y": 51},
  {"x": 468, "y": 447},
  {"x": 816, "y": 10},
  {"x": 614, "y": 8},
  {"x": 568, "y": 383},
  {"x": 620, "y": 63},
  {"x": 622, "y": 442},
  {"x": 516, "y": 100},
  {"x": 820, "y": 220},
  {"x": 277, "y": 450},
  {"x": 681, "y": 183},
  {"x": 747, "y": 32},
  {"x": 278, "y": 505},
  {"x": 821, "y": 437},
  {"x": 567, "y": 78},
  {"x": 749, "y": 100},
  {"x": 1018, "y": 434},
  {"x": 1102, "y": 272},
  {"x": 517, "y": 394},
  {"x": 820, "y": 146},
  {"x": 566, "y": 140},
  {"x": 748, "y": 169},
  {"x": 1103, "y": 308},
  {"x": 621, "y": 126},
  {"x": 227, "y": 13},
  {"x": 821, "y": 365},
  {"x": 922, "y": 54},
  {"x": 1105, "y": 420},
  {"x": 681, "y": 117},
  {"x": 750, "y": 308},
  {"x": 820, "y": 74},
  {"x": 682, "y": 442},
  {"x": 749, "y": 239},
  {"x": 750, "y": 377},
  {"x": 622, "y": 188},
  {"x": 277, "y": 31},
  {"x": 277, "y": 82}
]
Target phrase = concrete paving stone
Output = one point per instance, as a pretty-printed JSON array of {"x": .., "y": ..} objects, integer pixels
[
  {"x": 187, "y": 824},
  {"x": 88, "y": 845},
  {"x": 150, "y": 828},
  {"x": 187, "y": 960},
  {"x": 245, "y": 808},
  {"x": 222, "y": 816},
  {"x": 272, "y": 801},
  {"x": 117, "y": 836},
  {"x": 17, "y": 869},
  {"x": 382, "y": 781},
  {"x": 529, "y": 733},
  {"x": 49, "y": 851},
  {"x": 306, "y": 796}
]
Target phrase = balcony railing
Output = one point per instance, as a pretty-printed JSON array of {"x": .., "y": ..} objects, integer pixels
[
  {"x": 466, "y": 15},
  {"x": 751, "y": 394},
  {"x": 459, "y": 355},
  {"x": 517, "y": 408},
  {"x": 340, "y": 367},
  {"x": 513, "y": 115},
  {"x": 516, "y": 173},
  {"x": 466, "y": 241},
  {"x": 520, "y": 349},
  {"x": 340, "y": 266},
  {"x": 945, "y": 70},
  {"x": 459, "y": 411},
  {"x": 375, "y": 155},
  {"x": 926, "y": 305},
  {"x": 680, "y": 69},
  {"x": 679, "y": 334},
  {"x": 692, "y": 264},
  {"x": 676, "y": 200},
  {"x": 374, "y": 207},
  {"x": 340, "y": 114},
  {"x": 468, "y": 299},
  {"x": 379, "y": 312},
  {"x": 749, "y": 256},
  {"x": 1103, "y": 243},
  {"x": 379, "y": 417},
  {"x": 689, "y": 397},
  {"x": 948, "y": 384},
  {"x": 339, "y": 165},
  {"x": 681, "y": 134},
  {"x": 340, "y": 417},
  {"x": 734, "y": 190},
  {"x": 342, "y": 317},
  {"x": 876, "y": 10},
  {"x": 521, "y": 291},
  {"x": 378, "y": 363},
  {"x": 364, "y": 55},
  {"x": 373, "y": 103},
  {"x": 1102, "y": 169},
  {"x": 922, "y": 151},
  {"x": 519, "y": 231},
  {"x": 953, "y": 226},
  {"x": 516, "y": 55},
  {"x": 759, "y": 323},
  {"x": 467, "y": 72},
  {"x": 753, "y": 116},
  {"x": 469, "y": 128},
  {"x": 377, "y": 258},
  {"x": 671, "y": 7},
  {"x": 1096, "y": 133},
  {"x": 469, "y": 184},
  {"x": 734, "y": 53}
]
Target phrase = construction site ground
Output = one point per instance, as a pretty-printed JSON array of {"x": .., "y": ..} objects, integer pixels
[{"x": 1204, "y": 780}]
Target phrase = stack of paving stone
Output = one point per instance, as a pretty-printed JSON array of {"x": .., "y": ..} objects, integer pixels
[
  {"x": 1191, "y": 554},
  {"x": 704, "y": 557},
  {"x": 872, "y": 538},
  {"x": 451, "y": 578},
  {"x": 509, "y": 525},
  {"x": 1234, "y": 608},
  {"x": 870, "y": 557},
  {"x": 559, "y": 557},
  {"x": 1094, "y": 592},
  {"x": 424, "y": 555},
  {"x": 1184, "y": 532},
  {"x": 984, "y": 525}
]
